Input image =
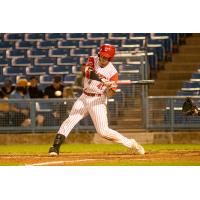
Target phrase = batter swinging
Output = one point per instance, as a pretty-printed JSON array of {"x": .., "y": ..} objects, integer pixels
[{"x": 99, "y": 84}]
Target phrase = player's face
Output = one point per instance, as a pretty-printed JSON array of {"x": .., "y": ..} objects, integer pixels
[{"x": 103, "y": 61}]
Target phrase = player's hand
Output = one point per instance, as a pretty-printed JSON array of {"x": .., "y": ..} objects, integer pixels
[{"x": 109, "y": 92}]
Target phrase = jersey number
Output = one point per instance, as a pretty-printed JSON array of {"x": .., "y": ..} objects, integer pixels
[{"x": 100, "y": 86}]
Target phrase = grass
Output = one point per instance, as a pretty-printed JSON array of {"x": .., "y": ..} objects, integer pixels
[
  {"x": 150, "y": 159},
  {"x": 92, "y": 148}
]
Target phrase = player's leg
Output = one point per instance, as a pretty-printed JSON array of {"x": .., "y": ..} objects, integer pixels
[
  {"x": 77, "y": 113},
  {"x": 98, "y": 114}
]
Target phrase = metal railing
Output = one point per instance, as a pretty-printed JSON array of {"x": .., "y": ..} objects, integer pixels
[{"x": 165, "y": 113}]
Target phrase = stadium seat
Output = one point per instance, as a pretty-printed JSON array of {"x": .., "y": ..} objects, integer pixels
[
  {"x": 76, "y": 36},
  {"x": 97, "y": 36},
  {"x": 37, "y": 70},
  {"x": 5, "y": 45},
  {"x": 166, "y": 42},
  {"x": 46, "y": 79},
  {"x": 68, "y": 44},
  {"x": 3, "y": 78},
  {"x": 132, "y": 43},
  {"x": 60, "y": 70},
  {"x": 34, "y": 36},
  {"x": 69, "y": 79},
  {"x": 195, "y": 77},
  {"x": 191, "y": 86},
  {"x": 68, "y": 61},
  {"x": 15, "y": 53},
  {"x": 136, "y": 65},
  {"x": 116, "y": 43},
  {"x": 132, "y": 75},
  {"x": 90, "y": 44},
  {"x": 185, "y": 93},
  {"x": 13, "y": 37},
  {"x": 14, "y": 71},
  {"x": 44, "y": 61},
  {"x": 4, "y": 62},
  {"x": 25, "y": 45},
  {"x": 81, "y": 52},
  {"x": 158, "y": 49},
  {"x": 55, "y": 36},
  {"x": 37, "y": 53},
  {"x": 58, "y": 53},
  {"x": 46, "y": 44},
  {"x": 119, "y": 36},
  {"x": 139, "y": 36},
  {"x": 21, "y": 62}
]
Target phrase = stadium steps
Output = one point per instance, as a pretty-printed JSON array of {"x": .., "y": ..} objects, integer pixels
[{"x": 183, "y": 64}]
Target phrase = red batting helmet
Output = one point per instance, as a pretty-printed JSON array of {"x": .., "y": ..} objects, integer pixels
[{"x": 107, "y": 51}]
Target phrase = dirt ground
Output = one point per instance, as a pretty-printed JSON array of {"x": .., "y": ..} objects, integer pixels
[{"x": 83, "y": 159}]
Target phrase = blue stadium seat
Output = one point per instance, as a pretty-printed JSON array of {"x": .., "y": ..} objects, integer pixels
[
  {"x": 14, "y": 71},
  {"x": 69, "y": 79},
  {"x": 116, "y": 43},
  {"x": 119, "y": 36},
  {"x": 37, "y": 70},
  {"x": 166, "y": 42},
  {"x": 68, "y": 44},
  {"x": 195, "y": 77},
  {"x": 21, "y": 62},
  {"x": 97, "y": 36},
  {"x": 140, "y": 36},
  {"x": 76, "y": 36},
  {"x": 132, "y": 75},
  {"x": 15, "y": 53},
  {"x": 13, "y": 37},
  {"x": 34, "y": 36},
  {"x": 3, "y": 78},
  {"x": 191, "y": 86},
  {"x": 158, "y": 49},
  {"x": 37, "y": 53},
  {"x": 4, "y": 62},
  {"x": 132, "y": 43},
  {"x": 5, "y": 45},
  {"x": 81, "y": 52},
  {"x": 58, "y": 53},
  {"x": 68, "y": 61},
  {"x": 90, "y": 44},
  {"x": 46, "y": 79},
  {"x": 45, "y": 61},
  {"x": 55, "y": 36},
  {"x": 46, "y": 44},
  {"x": 25, "y": 45},
  {"x": 60, "y": 70},
  {"x": 136, "y": 65},
  {"x": 185, "y": 93}
]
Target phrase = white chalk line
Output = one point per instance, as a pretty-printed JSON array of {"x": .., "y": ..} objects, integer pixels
[{"x": 63, "y": 161}]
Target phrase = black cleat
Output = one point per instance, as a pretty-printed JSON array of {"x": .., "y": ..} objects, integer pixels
[{"x": 53, "y": 151}]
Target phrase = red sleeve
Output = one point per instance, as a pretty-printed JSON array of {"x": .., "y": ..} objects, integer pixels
[
  {"x": 90, "y": 62},
  {"x": 115, "y": 78}
]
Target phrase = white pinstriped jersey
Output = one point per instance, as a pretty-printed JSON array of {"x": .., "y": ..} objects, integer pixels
[{"x": 109, "y": 72}]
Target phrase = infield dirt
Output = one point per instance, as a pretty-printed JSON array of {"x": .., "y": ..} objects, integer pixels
[{"x": 175, "y": 158}]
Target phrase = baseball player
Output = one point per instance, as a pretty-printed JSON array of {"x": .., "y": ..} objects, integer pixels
[{"x": 100, "y": 78}]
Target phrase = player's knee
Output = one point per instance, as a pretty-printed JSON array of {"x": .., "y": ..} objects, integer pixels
[{"x": 104, "y": 132}]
